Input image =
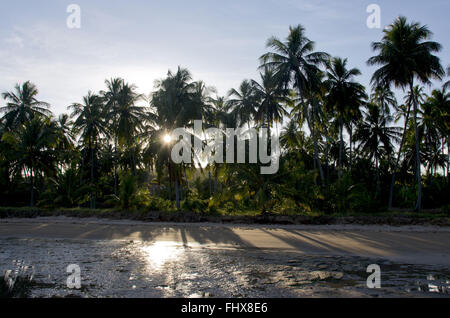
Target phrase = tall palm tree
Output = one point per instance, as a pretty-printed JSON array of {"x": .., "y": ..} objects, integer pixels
[
  {"x": 174, "y": 104},
  {"x": 90, "y": 121},
  {"x": 22, "y": 105},
  {"x": 296, "y": 63},
  {"x": 128, "y": 120},
  {"x": 111, "y": 96},
  {"x": 345, "y": 96},
  {"x": 405, "y": 54}
]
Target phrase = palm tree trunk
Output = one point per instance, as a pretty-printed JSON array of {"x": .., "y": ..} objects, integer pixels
[
  {"x": 418, "y": 165},
  {"x": 351, "y": 144},
  {"x": 313, "y": 134},
  {"x": 115, "y": 165},
  {"x": 32, "y": 187},
  {"x": 177, "y": 193},
  {"x": 391, "y": 191},
  {"x": 316, "y": 149},
  {"x": 341, "y": 144},
  {"x": 378, "y": 176},
  {"x": 92, "y": 201}
]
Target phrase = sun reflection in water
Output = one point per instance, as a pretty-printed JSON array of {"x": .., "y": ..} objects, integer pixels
[{"x": 160, "y": 253}]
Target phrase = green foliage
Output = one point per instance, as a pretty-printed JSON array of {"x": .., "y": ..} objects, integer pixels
[
  {"x": 338, "y": 148},
  {"x": 128, "y": 191},
  {"x": 159, "y": 204},
  {"x": 196, "y": 205}
]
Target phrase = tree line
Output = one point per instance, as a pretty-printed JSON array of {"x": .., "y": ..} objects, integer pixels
[{"x": 345, "y": 147}]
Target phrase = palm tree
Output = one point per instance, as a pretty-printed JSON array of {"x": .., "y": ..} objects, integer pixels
[
  {"x": 384, "y": 97},
  {"x": 345, "y": 96},
  {"x": 404, "y": 55},
  {"x": 435, "y": 122},
  {"x": 174, "y": 104},
  {"x": 270, "y": 99},
  {"x": 22, "y": 105},
  {"x": 33, "y": 149},
  {"x": 91, "y": 123},
  {"x": 66, "y": 140},
  {"x": 111, "y": 96},
  {"x": 128, "y": 120},
  {"x": 242, "y": 103},
  {"x": 404, "y": 111},
  {"x": 430, "y": 134},
  {"x": 376, "y": 136},
  {"x": 295, "y": 62}
]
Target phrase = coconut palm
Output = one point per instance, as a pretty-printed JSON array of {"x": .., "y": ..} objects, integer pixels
[
  {"x": 345, "y": 96},
  {"x": 33, "y": 149},
  {"x": 296, "y": 63},
  {"x": 404, "y": 111},
  {"x": 175, "y": 104},
  {"x": 111, "y": 96},
  {"x": 405, "y": 54},
  {"x": 242, "y": 103},
  {"x": 384, "y": 97},
  {"x": 128, "y": 120},
  {"x": 435, "y": 124},
  {"x": 22, "y": 105},
  {"x": 376, "y": 136},
  {"x": 90, "y": 122},
  {"x": 270, "y": 99}
]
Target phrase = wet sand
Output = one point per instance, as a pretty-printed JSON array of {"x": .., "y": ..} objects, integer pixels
[{"x": 415, "y": 245}]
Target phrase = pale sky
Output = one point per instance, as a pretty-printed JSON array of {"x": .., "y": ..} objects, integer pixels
[{"x": 218, "y": 41}]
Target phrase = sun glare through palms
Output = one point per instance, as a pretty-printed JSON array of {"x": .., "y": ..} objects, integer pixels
[{"x": 167, "y": 138}]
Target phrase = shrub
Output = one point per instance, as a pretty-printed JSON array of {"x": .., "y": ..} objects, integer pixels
[
  {"x": 196, "y": 205},
  {"x": 159, "y": 204}
]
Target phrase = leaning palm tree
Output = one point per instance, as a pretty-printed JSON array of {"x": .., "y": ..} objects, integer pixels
[
  {"x": 22, "y": 105},
  {"x": 405, "y": 54},
  {"x": 295, "y": 62},
  {"x": 90, "y": 122},
  {"x": 345, "y": 96}
]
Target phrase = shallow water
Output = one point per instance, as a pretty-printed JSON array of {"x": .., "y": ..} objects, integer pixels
[{"x": 169, "y": 269}]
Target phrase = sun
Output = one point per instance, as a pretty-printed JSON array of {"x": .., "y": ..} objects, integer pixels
[{"x": 167, "y": 138}]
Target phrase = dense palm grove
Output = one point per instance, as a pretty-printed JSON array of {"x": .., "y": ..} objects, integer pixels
[{"x": 345, "y": 147}]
